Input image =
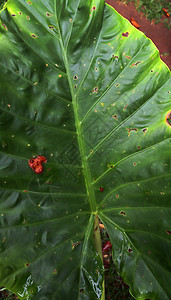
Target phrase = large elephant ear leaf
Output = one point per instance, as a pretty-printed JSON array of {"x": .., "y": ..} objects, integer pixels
[{"x": 85, "y": 134}]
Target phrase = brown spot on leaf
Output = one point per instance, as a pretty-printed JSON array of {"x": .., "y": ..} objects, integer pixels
[
  {"x": 125, "y": 34},
  {"x": 125, "y": 107},
  {"x": 168, "y": 232},
  {"x": 74, "y": 245},
  {"x": 4, "y": 26},
  {"x": 131, "y": 129},
  {"x": 101, "y": 189}
]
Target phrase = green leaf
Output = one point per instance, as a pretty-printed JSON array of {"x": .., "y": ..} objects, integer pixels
[{"x": 82, "y": 87}]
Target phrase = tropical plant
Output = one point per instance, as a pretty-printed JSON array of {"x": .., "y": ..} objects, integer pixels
[{"x": 85, "y": 135}]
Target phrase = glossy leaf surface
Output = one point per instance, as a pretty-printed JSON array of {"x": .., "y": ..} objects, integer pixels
[{"x": 82, "y": 87}]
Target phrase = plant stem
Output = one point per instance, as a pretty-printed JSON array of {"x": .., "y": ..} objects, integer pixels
[{"x": 97, "y": 241}]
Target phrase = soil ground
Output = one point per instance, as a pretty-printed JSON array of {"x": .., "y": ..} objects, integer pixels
[{"x": 158, "y": 33}]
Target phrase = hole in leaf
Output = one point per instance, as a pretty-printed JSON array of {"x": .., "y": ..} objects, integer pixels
[
  {"x": 115, "y": 117},
  {"x": 168, "y": 119},
  {"x": 145, "y": 130},
  {"x": 49, "y": 15},
  {"x": 136, "y": 63},
  {"x": 95, "y": 90},
  {"x": 114, "y": 56},
  {"x": 130, "y": 250},
  {"x": 51, "y": 27},
  {"x": 82, "y": 291},
  {"x": 34, "y": 35},
  {"x": 75, "y": 77},
  {"x": 122, "y": 213}
]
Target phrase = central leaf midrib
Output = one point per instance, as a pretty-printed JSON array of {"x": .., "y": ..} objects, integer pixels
[{"x": 85, "y": 165}]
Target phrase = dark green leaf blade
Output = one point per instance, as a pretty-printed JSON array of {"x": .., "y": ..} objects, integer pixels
[{"x": 88, "y": 91}]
